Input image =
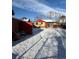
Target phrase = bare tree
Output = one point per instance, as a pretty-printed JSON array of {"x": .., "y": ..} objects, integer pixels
[
  {"x": 50, "y": 14},
  {"x": 40, "y": 17}
]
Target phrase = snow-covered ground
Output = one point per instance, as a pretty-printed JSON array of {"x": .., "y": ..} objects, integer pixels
[{"x": 48, "y": 44}]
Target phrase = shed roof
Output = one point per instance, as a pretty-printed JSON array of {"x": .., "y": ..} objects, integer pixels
[{"x": 40, "y": 20}]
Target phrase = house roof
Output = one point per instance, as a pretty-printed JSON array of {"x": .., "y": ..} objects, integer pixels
[
  {"x": 48, "y": 20},
  {"x": 40, "y": 20},
  {"x": 25, "y": 19}
]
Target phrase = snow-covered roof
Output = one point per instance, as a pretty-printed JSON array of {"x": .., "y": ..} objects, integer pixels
[
  {"x": 25, "y": 19},
  {"x": 40, "y": 20},
  {"x": 48, "y": 20}
]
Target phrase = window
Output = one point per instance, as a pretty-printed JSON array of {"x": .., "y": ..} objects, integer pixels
[
  {"x": 41, "y": 23},
  {"x": 36, "y": 23}
]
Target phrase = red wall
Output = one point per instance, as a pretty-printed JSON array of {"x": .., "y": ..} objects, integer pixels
[
  {"x": 21, "y": 26},
  {"x": 15, "y": 25},
  {"x": 25, "y": 27}
]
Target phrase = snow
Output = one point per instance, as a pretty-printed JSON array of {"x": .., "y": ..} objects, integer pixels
[
  {"x": 49, "y": 20},
  {"x": 48, "y": 44}
]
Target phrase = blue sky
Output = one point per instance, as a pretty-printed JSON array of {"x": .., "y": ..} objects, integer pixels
[{"x": 33, "y": 8}]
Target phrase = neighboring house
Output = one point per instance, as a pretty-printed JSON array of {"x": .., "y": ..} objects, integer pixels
[
  {"x": 46, "y": 23},
  {"x": 40, "y": 23},
  {"x": 52, "y": 23}
]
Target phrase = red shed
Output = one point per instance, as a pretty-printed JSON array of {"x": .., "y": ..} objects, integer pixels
[
  {"x": 20, "y": 26},
  {"x": 25, "y": 27}
]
